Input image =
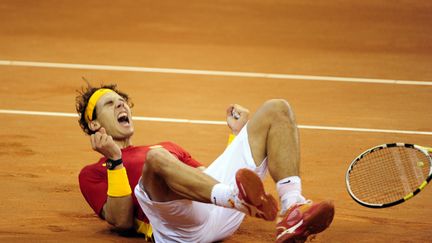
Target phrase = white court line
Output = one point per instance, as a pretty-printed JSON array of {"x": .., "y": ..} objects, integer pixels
[
  {"x": 207, "y": 122},
  {"x": 208, "y": 72}
]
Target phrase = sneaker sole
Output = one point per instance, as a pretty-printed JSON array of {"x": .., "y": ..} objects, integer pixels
[
  {"x": 252, "y": 190},
  {"x": 315, "y": 220}
]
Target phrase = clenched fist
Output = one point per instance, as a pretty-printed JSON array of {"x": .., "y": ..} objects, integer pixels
[
  {"x": 237, "y": 117},
  {"x": 104, "y": 144}
]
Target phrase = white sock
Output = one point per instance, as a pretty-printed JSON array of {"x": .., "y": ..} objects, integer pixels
[
  {"x": 223, "y": 195},
  {"x": 289, "y": 190}
]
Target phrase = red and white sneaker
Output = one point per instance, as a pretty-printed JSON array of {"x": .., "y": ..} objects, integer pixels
[
  {"x": 303, "y": 220},
  {"x": 252, "y": 196}
]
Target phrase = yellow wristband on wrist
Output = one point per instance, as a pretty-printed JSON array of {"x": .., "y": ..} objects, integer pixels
[
  {"x": 230, "y": 138},
  {"x": 118, "y": 183}
]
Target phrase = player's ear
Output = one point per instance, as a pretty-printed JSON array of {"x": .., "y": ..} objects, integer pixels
[{"x": 94, "y": 125}]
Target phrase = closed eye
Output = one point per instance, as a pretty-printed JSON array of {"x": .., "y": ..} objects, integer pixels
[{"x": 109, "y": 103}]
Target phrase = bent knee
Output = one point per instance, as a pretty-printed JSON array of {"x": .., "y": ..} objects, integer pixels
[
  {"x": 153, "y": 155},
  {"x": 155, "y": 161},
  {"x": 279, "y": 107}
]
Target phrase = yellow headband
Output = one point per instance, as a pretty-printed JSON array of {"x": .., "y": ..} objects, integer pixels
[{"x": 92, "y": 103}]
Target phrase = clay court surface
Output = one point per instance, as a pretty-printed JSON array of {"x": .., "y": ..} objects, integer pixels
[{"x": 42, "y": 155}]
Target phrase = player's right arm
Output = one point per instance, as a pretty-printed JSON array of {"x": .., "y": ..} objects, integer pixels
[{"x": 118, "y": 209}]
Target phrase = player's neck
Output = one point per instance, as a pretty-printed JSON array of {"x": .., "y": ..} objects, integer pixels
[{"x": 124, "y": 142}]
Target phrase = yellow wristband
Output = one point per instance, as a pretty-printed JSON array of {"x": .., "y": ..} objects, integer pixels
[
  {"x": 118, "y": 183},
  {"x": 230, "y": 138},
  {"x": 144, "y": 228}
]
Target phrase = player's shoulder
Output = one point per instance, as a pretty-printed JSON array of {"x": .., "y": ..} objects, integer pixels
[
  {"x": 169, "y": 145},
  {"x": 93, "y": 168}
]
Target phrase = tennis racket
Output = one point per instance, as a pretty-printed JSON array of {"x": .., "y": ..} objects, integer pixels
[{"x": 389, "y": 174}]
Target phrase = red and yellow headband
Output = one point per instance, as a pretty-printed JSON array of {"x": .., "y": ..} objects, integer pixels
[{"x": 91, "y": 105}]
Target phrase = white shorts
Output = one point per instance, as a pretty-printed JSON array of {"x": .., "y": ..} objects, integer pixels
[{"x": 190, "y": 221}]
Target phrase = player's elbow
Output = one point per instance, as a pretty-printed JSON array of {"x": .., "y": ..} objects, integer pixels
[
  {"x": 125, "y": 225},
  {"x": 121, "y": 223},
  {"x": 120, "y": 220}
]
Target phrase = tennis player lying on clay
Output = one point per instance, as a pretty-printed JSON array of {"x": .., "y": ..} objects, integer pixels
[{"x": 162, "y": 192}]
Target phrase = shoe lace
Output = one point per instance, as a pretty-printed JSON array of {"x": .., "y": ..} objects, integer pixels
[{"x": 283, "y": 213}]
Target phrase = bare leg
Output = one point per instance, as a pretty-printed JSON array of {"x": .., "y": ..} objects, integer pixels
[
  {"x": 273, "y": 133},
  {"x": 165, "y": 178}
]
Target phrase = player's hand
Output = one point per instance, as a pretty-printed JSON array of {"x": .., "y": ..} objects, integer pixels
[
  {"x": 237, "y": 117},
  {"x": 104, "y": 144}
]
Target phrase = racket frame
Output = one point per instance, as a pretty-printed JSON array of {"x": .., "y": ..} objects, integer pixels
[{"x": 424, "y": 150}]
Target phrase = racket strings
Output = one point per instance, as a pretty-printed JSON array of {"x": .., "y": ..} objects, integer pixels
[{"x": 388, "y": 174}]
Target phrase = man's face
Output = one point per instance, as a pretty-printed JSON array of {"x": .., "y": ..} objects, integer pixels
[{"x": 114, "y": 114}]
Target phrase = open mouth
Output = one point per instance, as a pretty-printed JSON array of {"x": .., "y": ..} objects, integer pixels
[{"x": 123, "y": 118}]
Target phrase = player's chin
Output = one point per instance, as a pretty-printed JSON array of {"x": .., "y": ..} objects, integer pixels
[
  {"x": 130, "y": 131},
  {"x": 125, "y": 132}
]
